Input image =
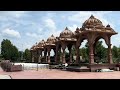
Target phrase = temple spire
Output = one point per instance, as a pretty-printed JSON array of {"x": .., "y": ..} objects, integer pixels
[
  {"x": 66, "y": 28},
  {"x": 92, "y": 16}
]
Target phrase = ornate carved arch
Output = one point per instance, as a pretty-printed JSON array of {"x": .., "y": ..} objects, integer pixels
[
  {"x": 103, "y": 36},
  {"x": 81, "y": 39}
]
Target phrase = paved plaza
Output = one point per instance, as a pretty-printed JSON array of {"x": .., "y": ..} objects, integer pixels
[{"x": 58, "y": 74}]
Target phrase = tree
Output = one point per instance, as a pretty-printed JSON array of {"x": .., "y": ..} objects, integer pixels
[
  {"x": 8, "y": 50},
  {"x": 20, "y": 55},
  {"x": 14, "y": 53},
  {"x": 27, "y": 55},
  {"x": 100, "y": 50},
  {"x": 115, "y": 52},
  {"x": 84, "y": 53}
]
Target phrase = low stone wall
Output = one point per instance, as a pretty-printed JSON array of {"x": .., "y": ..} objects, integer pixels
[
  {"x": 16, "y": 68},
  {"x": 9, "y": 66},
  {"x": 33, "y": 66}
]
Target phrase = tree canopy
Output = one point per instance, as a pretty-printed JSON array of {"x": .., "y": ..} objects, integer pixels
[{"x": 8, "y": 50}]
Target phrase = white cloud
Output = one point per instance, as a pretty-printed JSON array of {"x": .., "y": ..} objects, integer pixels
[
  {"x": 18, "y": 13},
  {"x": 56, "y": 33},
  {"x": 11, "y": 33},
  {"x": 115, "y": 40},
  {"x": 33, "y": 35},
  {"x": 26, "y": 46},
  {"x": 50, "y": 24},
  {"x": 51, "y": 27},
  {"x": 11, "y": 15},
  {"x": 40, "y": 30},
  {"x": 81, "y": 16},
  {"x": 73, "y": 27}
]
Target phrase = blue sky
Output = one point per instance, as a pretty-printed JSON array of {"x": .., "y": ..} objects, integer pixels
[{"x": 25, "y": 28}]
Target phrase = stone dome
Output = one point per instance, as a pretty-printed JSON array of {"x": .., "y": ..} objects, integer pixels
[
  {"x": 33, "y": 47},
  {"x": 51, "y": 39},
  {"x": 66, "y": 33},
  {"x": 92, "y": 21},
  {"x": 41, "y": 44}
]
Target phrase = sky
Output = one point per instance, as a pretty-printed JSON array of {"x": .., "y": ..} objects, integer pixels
[{"x": 25, "y": 28}]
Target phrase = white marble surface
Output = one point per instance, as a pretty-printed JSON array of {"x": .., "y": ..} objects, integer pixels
[
  {"x": 27, "y": 66},
  {"x": 5, "y": 77}
]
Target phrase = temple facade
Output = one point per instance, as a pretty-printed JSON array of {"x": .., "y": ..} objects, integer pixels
[{"x": 92, "y": 30}]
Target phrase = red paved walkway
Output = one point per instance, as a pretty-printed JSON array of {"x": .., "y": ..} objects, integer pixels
[{"x": 58, "y": 74}]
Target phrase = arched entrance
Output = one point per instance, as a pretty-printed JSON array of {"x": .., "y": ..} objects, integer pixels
[{"x": 65, "y": 40}]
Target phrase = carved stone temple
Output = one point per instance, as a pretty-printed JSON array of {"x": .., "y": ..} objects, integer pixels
[{"x": 92, "y": 30}]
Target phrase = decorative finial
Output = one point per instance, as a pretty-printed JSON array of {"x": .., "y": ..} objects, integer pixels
[
  {"x": 66, "y": 28},
  {"x": 108, "y": 25},
  {"x": 77, "y": 28},
  {"x": 91, "y": 16},
  {"x": 52, "y": 35}
]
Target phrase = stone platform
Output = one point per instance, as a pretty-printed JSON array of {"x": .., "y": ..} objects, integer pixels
[
  {"x": 94, "y": 67},
  {"x": 78, "y": 69}
]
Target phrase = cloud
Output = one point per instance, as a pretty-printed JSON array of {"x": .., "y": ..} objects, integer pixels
[
  {"x": 33, "y": 35},
  {"x": 51, "y": 28},
  {"x": 11, "y": 15},
  {"x": 81, "y": 16},
  {"x": 35, "y": 26},
  {"x": 50, "y": 24},
  {"x": 73, "y": 27},
  {"x": 56, "y": 33},
  {"x": 16, "y": 14},
  {"x": 11, "y": 33}
]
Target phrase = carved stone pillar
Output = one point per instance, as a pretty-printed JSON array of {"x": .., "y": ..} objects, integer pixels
[
  {"x": 63, "y": 54},
  {"x": 60, "y": 57},
  {"x": 45, "y": 55},
  {"x": 109, "y": 54},
  {"x": 32, "y": 55},
  {"x": 39, "y": 54},
  {"x": 49, "y": 55},
  {"x": 63, "y": 57},
  {"x": 94, "y": 52},
  {"x": 56, "y": 54},
  {"x": 70, "y": 54},
  {"x": 77, "y": 55},
  {"x": 91, "y": 54}
]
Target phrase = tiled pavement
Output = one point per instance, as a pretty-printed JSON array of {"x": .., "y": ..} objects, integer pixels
[
  {"x": 58, "y": 74},
  {"x": 4, "y": 76}
]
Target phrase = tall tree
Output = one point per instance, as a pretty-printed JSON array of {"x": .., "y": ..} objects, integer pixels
[
  {"x": 115, "y": 52},
  {"x": 27, "y": 55},
  {"x": 8, "y": 50},
  {"x": 100, "y": 50},
  {"x": 14, "y": 53}
]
